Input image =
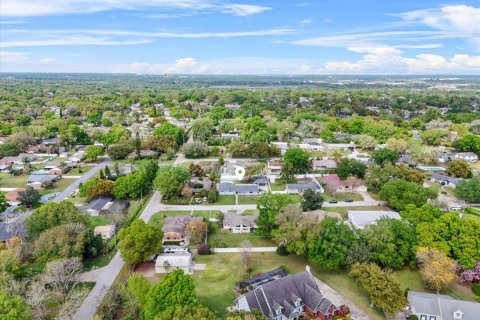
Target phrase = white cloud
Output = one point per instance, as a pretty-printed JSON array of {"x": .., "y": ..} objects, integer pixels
[
  {"x": 243, "y": 9},
  {"x": 455, "y": 19},
  {"x": 29, "y": 38},
  {"x": 13, "y": 56},
  {"x": 306, "y": 21},
  {"x": 71, "y": 41},
  {"x": 19, "y": 8},
  {"x": 390, "y": 60},
  {"x": 47, "y": 60}
]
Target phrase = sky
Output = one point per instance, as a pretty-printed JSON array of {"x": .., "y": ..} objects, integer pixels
[{"x": 240, "y": 36}]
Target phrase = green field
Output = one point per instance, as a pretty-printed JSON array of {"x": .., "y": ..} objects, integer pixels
[
  {"x": 227, "y": 239},
  {"x": 158, "y": 218},
  {"x": 226, "y": 200},
  {"x": 76, "y": 171},
  {"x": 9, "y": 181},
  {"x": 247, "y": 200},
  {"x": 342, "y": 196},
  {"x": 344, "y": 210},
  {"x": 278, "y": 186},
  {"x": 58, "y": 186}
]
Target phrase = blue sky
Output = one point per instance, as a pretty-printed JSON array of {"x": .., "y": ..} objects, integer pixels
[{"x": 241, "y": 37}]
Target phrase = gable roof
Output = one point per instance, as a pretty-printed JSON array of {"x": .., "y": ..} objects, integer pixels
[
  {"x": 281, "y": 294},
  {"x": 442, "y": 305},
  {"x": 362, "y": 219},
  {"x": 441, "y": 177},
  {"x": 303, "y": 186},
  {"x": 227, "y": 186},
  {"x": 233, "y": 219}
]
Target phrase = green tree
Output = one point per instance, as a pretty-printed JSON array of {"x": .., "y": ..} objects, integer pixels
[
  {"x": 469, "y": 190},
  {"x": 212, "y": 194},
  {"x": 119, "y": 151},
  {"x": 433, "y": 137},
  {"x": 139, "y": 241},
  {"x": 312, "y": 200},
  {"x": 255, "y": 314},
  {"x": 138, "y": 287},
  {"x": 9, "y": 260},
  {"x": 269, "y": 205},
  {"x": 195, "y": 312},
  {"x": 3, "y": 203},
  {"x": 29, "y": 196},
  {"x": 63, "y": 241},
  {"x": 9, "y": 149},
  {"x": 93, "y": 152},
  {"x": 170, "y": 181},
  {"x": 23, "y": 120},
  {"x": 176, "y": 289},
  {"x": 293, "y": 229},
  {"x": 53, "y": 214},
  {"x": 469, "y": 142},
  {"x": 391, "y": 242},
  {"x": 299, "y": 159},
  {"x": 193, "y": 150},
  {"x": 288, "y": 172},
  {"x": 202, "y": 129},
  {"x": 329, "y": 243},
  {"x": 12, "y": 307},
  {"x": 384, "y": 156},
  {"x": 459, "y": 169},
  {"x": 167, "y": 129},
  {"x": 400, "y": 193},
  {"x": 416, "y": 215},
  {"x": 382, "y": 288},
  {"x": 351, "y": 167}
]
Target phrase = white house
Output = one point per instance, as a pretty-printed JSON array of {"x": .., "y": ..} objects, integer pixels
[
  {"x": 239, "y": 224},
  {"x": 363, "y": 219},
  {"x": 106, "y": 232},
  {"x": 312, "y": 145},
  {"x": 341, "y": 146},
  {"x": 274, "y": 167},
  {"x": 168, "y": 262},
  {"x": 467, "y": 156}
]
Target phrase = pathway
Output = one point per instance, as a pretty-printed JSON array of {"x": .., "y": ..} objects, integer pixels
[
  {"x": 238, "y": 250},
  {"x": 104, "y": 277},
  {"x": 338, "y": 300},
  {"x": 68, "y": 190}
]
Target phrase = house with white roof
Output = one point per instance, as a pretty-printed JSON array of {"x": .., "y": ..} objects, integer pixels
[
  {"x": 168, "y": 262},
  {"x": 467, "y": 156},
  {"x": 429, "y": 306},
  {"x": 363, "y": 219}
]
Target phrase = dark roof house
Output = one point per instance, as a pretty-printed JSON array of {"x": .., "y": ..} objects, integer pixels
[
  {"x": 288, "y": 297},
  {"x": 262, "y": 278}
]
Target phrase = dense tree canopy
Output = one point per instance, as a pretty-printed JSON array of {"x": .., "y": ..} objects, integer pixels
[
  {"x": 400, "y": 193},
  {"x": 269, "y": 205},
  {"x": 139, "y": 241},
  {"x": 170, "y": 181}
]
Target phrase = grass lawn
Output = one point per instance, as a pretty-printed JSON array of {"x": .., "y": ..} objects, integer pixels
[
  {"x": 343, "y": 210},
  {"x": 60, "y": 185},
  {"x": 247, "y": 200},
  {"x": 250, "y": 212},
  {"x": 158, "y": 218},
  {"x": 296, "y": 198},
  {"x": 278, "y": 186},
  {"x": 98, "y": 221},
  {"x": 76, "y": 171},
  {"x": 226, "y": 200},
  {"x": 98, "y": 262},
  {"x": 342, "y": 196},
  {"x": 227, "y": 239},
  {"x": 9, "y": 181},
  {"x": 412, "y": 280},
  {"x": 215, "y": 284}
]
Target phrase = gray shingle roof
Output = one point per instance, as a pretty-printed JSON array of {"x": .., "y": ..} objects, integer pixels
[
  {"x": 442, "y": 306},
  {"x": 303, "y": 186},
  {"x": 233, "y": 219},
  {"x": 282, "y": 294},
  {"x": 444, "y": 178},
  {"x": 227, "y": 186}
]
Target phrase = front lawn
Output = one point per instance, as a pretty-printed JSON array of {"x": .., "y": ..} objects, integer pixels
[
  {"x": 226, "y": 200},
  {"x": 344, "y": 210},
  {"x": 226, "y": 239},
  {"x": 76, "y": 171},
  {"x": 278, "y": 186},
  {"x": 247, "y": 200},
  {"x": 215, "y": 285},
  {"x": 10, "y": 181},
  {"x": 158, "y": 218},
  {"x": 58, "y": 186},
  {"x": 327, "y": 196}
]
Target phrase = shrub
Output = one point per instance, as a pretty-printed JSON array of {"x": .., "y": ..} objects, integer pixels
[
  {"x": 195, "y": 150},
  {"x": 204, "y": 249},
  {"x": 282, "y": 250},
  {"x": 476, "y": 289},
  {"x": 412, "y": 317}
]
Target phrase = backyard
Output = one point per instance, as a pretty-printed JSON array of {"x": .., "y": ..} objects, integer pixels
[
  {"x": 227, "y": 239},
  {"x": 158, "y": 218}
]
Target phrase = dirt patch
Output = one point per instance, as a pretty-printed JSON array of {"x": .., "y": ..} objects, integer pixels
[{"x": 147, "y": 269}]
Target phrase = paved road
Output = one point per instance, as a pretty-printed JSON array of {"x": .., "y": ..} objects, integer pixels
[
  {"x": 64, "y": 194},
  {"x": 105, "y": 276}
]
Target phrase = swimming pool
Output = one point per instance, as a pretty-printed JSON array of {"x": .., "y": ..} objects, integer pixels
[{"x": 431, "y": 168}]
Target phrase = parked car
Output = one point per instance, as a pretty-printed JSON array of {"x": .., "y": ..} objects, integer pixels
[
  {"x": 348, "y": 200},
  {"x": 175, "y": 249},
  {"x": 333, "y": 201}
]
